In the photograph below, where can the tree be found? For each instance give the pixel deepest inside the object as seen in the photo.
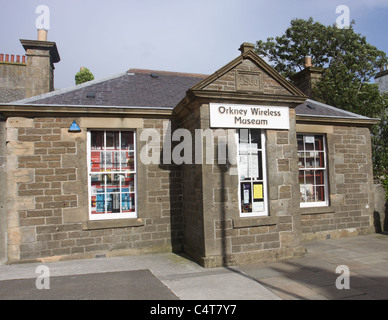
(83, 75)
(349, 63)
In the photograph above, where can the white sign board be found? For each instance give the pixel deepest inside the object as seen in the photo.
(248, 116)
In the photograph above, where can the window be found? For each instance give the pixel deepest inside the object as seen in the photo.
(252, 173)
(112, 174)
(312, 170)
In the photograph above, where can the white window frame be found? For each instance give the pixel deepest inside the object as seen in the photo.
(264, 212)
(324, 203)
(113, 215)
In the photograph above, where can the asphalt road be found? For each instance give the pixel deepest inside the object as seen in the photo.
(124, 285)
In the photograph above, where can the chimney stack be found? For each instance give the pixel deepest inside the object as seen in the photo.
(306, 79)
(41, 56)
(245, 47)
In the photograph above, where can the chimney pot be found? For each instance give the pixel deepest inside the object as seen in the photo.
(42, 35)
(7, 58)
(307, 62)
(1, 57)
(12, 58)
(23, 59)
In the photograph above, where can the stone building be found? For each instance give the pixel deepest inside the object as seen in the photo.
(31, 74)
(382, 80)
(231, 168)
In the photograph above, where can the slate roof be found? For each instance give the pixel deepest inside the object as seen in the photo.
(318, 109)
(153, 89)
(11, 94)
(136, 87)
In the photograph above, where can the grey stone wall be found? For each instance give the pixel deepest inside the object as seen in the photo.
(382, 81)
(47, 196)
(39, 72)
(351, 187)
(12, 81)
(192, 196)
(3, 188)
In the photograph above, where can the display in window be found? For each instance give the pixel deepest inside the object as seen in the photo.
(252, 199)
(312, 193)
(312, 169)
(112, 161)
(251, 171)
(112, 173)
(113, 202)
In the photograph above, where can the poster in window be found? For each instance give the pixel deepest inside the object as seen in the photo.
(95, 161)
(126, 200)
(243, 163)
(254, 166)
(257, 206)
(249, 166)
(257, 191)
(243, 146)
(246, 200)
(100, 202)
(309, 139)
(246, 196)
(258, 197)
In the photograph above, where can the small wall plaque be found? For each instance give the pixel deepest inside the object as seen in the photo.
(249, 81)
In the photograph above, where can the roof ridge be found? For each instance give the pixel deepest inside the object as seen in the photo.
(163, 72)
(69, 89)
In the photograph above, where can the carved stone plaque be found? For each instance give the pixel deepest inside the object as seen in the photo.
(249, 81)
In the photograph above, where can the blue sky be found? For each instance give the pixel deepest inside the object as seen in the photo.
(200, 36)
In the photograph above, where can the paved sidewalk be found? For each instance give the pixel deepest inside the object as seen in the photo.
(165, 276)
(314, 276)
(170, 276)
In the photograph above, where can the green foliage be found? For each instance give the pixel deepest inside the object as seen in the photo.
(384, 182)
(380, 149)
(328, 47)
(83, 75)
(350, 64)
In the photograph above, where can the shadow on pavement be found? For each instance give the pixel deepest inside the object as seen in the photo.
(314, 276)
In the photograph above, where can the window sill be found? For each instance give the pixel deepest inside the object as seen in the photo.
(316, 210)
(254, 222)
(108, 224)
